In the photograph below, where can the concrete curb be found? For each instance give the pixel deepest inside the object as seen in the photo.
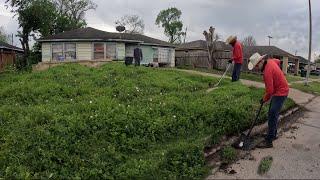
(257, 130)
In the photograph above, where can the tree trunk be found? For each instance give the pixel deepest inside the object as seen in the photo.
(24, 40)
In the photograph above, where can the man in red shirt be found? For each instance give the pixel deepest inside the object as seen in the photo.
(237, 57)
(277, 90)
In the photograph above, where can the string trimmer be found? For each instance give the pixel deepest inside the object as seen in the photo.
(223, 75)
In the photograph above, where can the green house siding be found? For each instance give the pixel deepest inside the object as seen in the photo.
(147, 53)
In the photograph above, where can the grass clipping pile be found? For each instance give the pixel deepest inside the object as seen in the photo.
(265, 165)
(115, 122)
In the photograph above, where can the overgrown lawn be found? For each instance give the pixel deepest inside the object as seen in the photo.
(115, 122)
(313, 87)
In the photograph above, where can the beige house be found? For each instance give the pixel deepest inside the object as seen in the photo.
(96, 46)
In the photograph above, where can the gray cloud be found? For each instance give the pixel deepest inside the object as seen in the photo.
(285, 20)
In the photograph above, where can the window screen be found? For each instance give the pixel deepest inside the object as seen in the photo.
(98, 51)
(70, 51)
(57, 52)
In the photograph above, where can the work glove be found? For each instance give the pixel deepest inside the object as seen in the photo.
(230, 61)
(261, 101)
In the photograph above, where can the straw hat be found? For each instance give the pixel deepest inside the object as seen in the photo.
(231, 39)
(254, 60)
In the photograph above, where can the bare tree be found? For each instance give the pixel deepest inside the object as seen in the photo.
(133, 23)
(249, 41)
(75, 9)
(211, 38)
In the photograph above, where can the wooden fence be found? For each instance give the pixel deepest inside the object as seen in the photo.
(6, 58)
(199, 59)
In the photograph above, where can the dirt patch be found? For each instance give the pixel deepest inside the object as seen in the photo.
(212, 89)
(42, 66)
(298, 146)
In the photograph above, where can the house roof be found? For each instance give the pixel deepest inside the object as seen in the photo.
(202, 45)
(271, 50)
(302, 60)
(4, 45)
(91, 34)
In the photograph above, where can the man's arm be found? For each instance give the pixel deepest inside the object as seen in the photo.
(268, 80)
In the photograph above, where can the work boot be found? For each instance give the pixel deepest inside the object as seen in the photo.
(265, 144)
(266, 135)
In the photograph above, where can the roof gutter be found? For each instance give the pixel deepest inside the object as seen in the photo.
(124, 40)
(4, 47)
(66, 40)
(86, 40)
(151, 44)
(108, 40)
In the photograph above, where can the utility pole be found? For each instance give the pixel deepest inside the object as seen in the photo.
(270, 37)
(12, 39)
(310, 45)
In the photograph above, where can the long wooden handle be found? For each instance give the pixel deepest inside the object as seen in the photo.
(256, 119)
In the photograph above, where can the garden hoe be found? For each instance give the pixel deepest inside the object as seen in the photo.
(245, 142)
(223, 75)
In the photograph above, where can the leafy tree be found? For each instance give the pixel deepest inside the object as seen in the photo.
(249, 41)
(47, 17)
(3, 35)
(169, 19)
(71, 13)
(34, 16)
(133, 23)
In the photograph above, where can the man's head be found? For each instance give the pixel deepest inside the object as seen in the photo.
(256, 61)
(231, 40)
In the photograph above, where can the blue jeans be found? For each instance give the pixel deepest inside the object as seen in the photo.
(273, 115)
(236, 72)
(137, 61)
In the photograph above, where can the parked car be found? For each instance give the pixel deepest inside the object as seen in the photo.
(315, 72)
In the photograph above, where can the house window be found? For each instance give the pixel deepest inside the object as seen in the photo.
(163, 55)
(57, 52)
(111, 50)
(98, 51)
(70, 51)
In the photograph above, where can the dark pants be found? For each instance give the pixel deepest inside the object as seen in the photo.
(236, 72)
(137, 61)
(273, 115)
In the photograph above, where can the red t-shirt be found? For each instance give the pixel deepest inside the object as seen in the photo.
(275, 81)
(237, 55)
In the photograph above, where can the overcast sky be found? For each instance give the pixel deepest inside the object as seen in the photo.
(285, 20)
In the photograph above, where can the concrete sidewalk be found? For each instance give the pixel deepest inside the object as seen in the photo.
(297, 96)
(296, 153)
